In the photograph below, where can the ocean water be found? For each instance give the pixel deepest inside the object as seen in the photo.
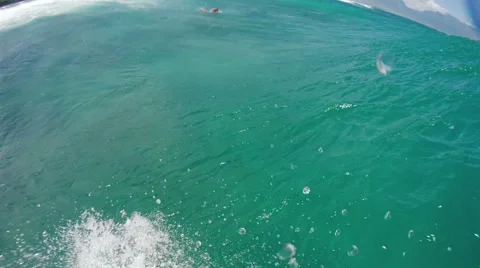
(141, 134)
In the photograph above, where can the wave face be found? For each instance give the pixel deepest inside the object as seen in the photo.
(275, 134)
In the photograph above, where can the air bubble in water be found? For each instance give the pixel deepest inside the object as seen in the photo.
(410, 234)
(388, 215)
(353, 252)
(337, 232)
(158, 201)
(306, 190)
(312, 230)
(320, 150)
(242, 231)
(344, 212)
(199, 244)
(287, 251)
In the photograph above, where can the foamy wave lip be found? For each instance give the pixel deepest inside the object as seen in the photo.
(96, 242)
(341, 106)
(28, 11)
(356, 3)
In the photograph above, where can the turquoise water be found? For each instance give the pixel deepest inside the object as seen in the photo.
(149, 134)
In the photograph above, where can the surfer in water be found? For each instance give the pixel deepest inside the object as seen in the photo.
(213, 10)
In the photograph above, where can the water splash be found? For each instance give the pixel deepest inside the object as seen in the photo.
(381, 66)
(96, 242)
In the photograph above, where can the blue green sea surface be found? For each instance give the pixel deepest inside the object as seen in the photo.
(142, 134)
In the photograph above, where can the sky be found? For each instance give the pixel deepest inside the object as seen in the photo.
(455, 7)
(429, 13)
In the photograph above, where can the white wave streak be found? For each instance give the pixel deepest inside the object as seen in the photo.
(26, 12)
(356, 3)
(340, 106)
(94, 242)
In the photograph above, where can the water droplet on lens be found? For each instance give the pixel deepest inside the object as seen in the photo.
(287, 251)
(306, 190)
(205, 256)
(410, 234)
(242, 231)
(353, 252)
(388, 215)
(292, 263)
(123, 213)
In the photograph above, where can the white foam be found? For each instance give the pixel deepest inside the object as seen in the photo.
(96, 242)
(25, 12)
(356, 3)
